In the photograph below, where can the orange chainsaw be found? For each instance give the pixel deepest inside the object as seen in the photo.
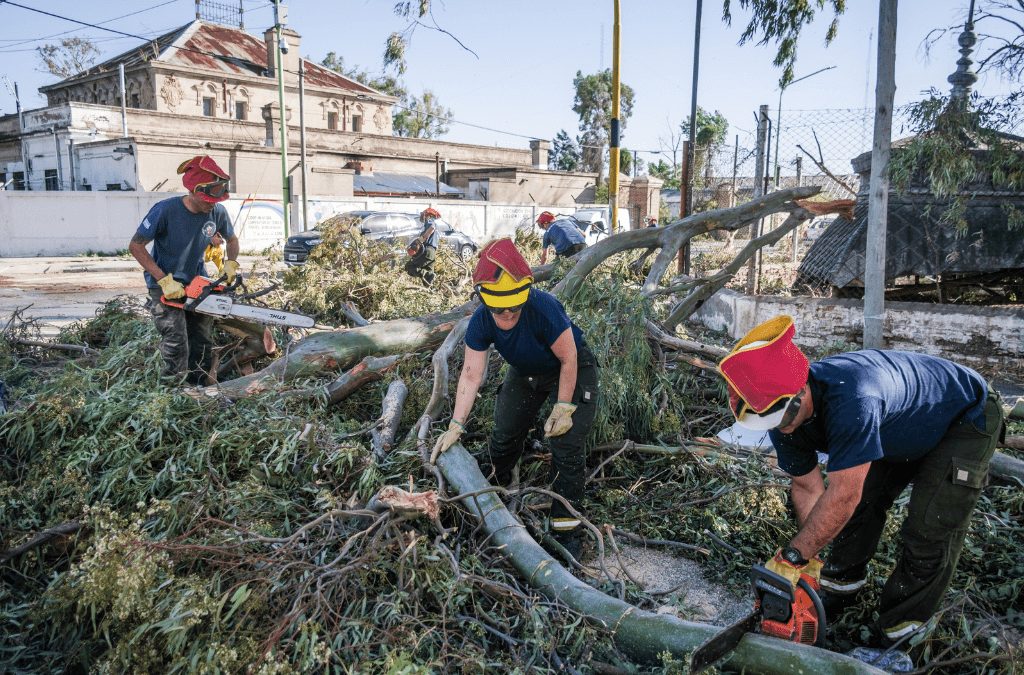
(211, 296)
(793, 614)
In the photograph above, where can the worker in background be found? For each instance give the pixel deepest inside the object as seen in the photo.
(562, 234)
(180, 229)
(651, 221)
(548, 358)
(885, 419)
(423, 249)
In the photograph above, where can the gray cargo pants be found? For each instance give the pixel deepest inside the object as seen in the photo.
(186, 341)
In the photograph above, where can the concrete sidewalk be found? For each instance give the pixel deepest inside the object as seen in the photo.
(59, 291)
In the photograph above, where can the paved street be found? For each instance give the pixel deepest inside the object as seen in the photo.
(60, 291)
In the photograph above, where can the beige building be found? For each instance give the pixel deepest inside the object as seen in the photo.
(209, 88)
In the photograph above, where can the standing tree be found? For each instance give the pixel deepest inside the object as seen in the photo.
(68, 57)
(422, 117)
(593, 104)
(665, 171)
(711, 133)
(565, 153)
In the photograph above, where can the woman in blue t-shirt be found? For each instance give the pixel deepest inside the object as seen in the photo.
(548, 358)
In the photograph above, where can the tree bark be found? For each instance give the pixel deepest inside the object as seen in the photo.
(391, 414)
(641, 634)
(370, 369)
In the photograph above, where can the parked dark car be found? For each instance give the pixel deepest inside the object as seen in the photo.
(387, 225)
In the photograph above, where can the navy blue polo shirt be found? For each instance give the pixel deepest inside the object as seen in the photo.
(527, 346)
(180, 237)
(562, 234)
(880, 404)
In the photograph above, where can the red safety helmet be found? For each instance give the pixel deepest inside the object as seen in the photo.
(205, 179)
(429, 212)
(502, 276)
(545, 218)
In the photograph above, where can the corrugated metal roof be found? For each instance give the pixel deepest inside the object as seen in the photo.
(210, 46)
(398, 184)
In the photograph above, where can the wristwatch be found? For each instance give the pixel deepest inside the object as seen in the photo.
(793, 556)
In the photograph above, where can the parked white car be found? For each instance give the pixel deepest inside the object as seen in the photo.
(596, 220)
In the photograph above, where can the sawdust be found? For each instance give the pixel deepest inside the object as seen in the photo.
(696, 598)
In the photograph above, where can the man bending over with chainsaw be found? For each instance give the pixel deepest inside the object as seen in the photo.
(181, 228)
(548, 359)
(886, 419)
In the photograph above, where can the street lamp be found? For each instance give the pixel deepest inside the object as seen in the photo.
(778, 117)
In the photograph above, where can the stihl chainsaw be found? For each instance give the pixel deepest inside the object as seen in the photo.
(780, 610)
(209, 296)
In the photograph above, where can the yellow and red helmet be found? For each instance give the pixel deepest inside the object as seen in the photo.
(545, 218)
(764, 371)
(502, 276)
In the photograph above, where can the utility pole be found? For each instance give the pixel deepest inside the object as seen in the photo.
(613, 154)
(437, 175)
(735, 170)
(759, 191)
(280, 18)
(878, 192)
(60, 169)
(302, 142)
(684, 253)
(799, 183)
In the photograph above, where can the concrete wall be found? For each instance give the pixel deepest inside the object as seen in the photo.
(981, 337)
(71, 223)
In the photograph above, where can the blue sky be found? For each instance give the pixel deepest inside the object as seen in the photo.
(528, 51)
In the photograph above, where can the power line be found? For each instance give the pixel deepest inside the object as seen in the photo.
(116, 18)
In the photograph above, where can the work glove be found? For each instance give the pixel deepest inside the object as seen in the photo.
(171, 288)
(792, 572)
(560, 419)
(215, 254)
(231, 269)
(447, 440)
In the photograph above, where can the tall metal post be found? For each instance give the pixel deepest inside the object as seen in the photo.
(799, 183)
(25, 162)
(71, 163)
(124, 105)
(692, 147)
(759, 191)
(437, 175)
(735, 170)
(302, 141)
(285, 192)
(60, 165)
(878, 191)
(613, 153)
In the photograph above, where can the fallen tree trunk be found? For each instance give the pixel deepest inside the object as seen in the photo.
(641, 634)
(370, 369)
(1005, 466)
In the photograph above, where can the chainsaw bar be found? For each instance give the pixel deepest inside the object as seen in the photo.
(222, 305)
(723, 642)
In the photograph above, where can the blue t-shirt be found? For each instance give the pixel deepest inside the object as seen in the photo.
(880, 404)
(562, 234)
(434, 238)
(180, 237)
(527, 347)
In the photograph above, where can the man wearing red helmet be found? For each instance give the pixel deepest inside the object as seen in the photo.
(561, 233)
(423, 249)
(181, 229)
(886, 419)
(548, 358)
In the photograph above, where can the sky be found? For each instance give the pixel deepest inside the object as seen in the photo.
(514, 68)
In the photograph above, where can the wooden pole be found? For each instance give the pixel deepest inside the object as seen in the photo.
(759, 191)
(878, 193)
(613, 154)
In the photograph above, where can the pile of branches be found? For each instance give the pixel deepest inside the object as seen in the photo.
(286, 520)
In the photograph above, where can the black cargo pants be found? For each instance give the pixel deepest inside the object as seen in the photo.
(515, 413)
(571, 250)
(186, 340)
(422, 265)
(946, 485)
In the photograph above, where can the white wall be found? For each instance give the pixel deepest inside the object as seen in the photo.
(70, 223)
(979, 337)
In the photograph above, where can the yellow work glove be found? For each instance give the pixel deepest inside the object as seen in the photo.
(447, 440)
(231, 269)
(215, 254)
(792, 572)
(171, 288)
(560, 419)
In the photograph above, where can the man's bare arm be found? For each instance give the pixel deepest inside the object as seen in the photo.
(832, 510)
(232, 248)
(137, 247)
(806, 490)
